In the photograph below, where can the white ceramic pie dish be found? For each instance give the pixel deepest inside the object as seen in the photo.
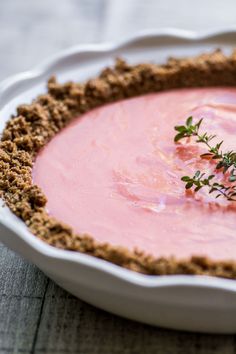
(193, 303)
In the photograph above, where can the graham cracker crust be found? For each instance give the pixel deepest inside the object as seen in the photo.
(35, 124)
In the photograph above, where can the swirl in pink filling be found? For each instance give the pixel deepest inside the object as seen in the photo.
(114, 173)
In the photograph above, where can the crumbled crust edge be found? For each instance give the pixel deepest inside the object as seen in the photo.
(35, 124)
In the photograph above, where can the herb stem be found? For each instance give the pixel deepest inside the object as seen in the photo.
(226, 161)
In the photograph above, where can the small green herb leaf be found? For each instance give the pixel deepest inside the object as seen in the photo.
(189, 121)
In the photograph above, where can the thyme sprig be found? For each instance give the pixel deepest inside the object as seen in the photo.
(200, 180)
(226, 161)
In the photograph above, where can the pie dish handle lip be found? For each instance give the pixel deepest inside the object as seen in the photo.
(147, 281)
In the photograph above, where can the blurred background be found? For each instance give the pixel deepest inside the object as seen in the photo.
(32, 30)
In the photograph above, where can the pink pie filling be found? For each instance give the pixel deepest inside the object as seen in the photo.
(115, 172)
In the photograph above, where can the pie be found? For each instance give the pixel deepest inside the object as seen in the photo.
(94, 167)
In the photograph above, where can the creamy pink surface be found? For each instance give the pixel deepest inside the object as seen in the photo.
(114, 173)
